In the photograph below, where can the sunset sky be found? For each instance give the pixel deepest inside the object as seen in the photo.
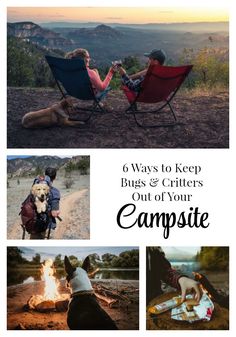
(118, 14)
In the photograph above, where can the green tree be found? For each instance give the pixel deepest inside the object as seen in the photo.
(95, 260)
(14, 257)
(211, 67)
(58, 262)
(36, 259)
(70, 166)
(26, 65)
(74, 261)
(214, 258)
(83, 165)
(19, 65)
(127, 259)
(132, 64)
(107, 259)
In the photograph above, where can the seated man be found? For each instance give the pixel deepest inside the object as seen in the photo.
(133, 82)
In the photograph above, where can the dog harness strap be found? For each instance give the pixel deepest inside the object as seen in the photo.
(83, 292)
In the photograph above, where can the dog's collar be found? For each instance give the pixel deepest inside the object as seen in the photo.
(82, 292)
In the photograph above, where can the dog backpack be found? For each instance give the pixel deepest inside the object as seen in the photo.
(32, 221)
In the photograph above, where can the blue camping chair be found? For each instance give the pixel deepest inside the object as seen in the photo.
(72, 76)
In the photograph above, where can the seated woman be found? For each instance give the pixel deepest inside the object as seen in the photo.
(100, 87)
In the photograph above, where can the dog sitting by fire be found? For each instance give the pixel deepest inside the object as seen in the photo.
(57, 114)
(40, 193)
(84, 311)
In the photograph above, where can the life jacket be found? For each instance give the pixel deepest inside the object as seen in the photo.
(32, 221)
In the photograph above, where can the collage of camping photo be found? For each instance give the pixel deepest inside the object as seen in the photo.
(117, 161)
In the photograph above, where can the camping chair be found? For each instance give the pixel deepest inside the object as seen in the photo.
(72, 76)
(160, 85)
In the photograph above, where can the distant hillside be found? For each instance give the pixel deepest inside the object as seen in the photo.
(29, 31)
(19, 167)
(184, 26)
(28, 43)
(106, 43)
(101, 32)
(176, 254)
(109, 42)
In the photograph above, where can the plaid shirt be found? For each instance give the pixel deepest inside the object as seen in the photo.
(159, 269)
(133, 85)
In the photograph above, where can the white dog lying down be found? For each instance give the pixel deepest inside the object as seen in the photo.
(40, 193)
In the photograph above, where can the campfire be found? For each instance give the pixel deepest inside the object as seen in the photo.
(51, 299)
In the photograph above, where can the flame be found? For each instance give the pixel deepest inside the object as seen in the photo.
(51, 283)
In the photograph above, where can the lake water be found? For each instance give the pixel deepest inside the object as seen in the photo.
(185, 265)
(27, 276)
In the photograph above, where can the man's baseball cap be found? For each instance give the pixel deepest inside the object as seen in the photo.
(157, 54)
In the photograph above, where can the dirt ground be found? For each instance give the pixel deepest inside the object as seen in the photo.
(74, 208)
(203, 123)
(126, 318)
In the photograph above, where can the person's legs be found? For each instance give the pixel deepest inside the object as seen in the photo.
(102, 94)
(130, 94)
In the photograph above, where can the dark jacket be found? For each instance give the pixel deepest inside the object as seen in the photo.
(158, 269)
(54, 198)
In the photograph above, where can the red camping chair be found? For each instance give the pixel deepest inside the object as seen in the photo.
(160, 85)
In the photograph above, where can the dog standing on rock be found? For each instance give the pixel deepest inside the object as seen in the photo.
(84, 311)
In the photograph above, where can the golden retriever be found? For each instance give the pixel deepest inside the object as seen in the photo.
(40, 193)
(57, 114)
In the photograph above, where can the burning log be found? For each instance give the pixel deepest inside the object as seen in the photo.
(51, 300)
(62, 305)
(38, 303)
(45, 306)
(214, 294)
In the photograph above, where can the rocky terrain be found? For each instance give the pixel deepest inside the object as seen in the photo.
(203, 122)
